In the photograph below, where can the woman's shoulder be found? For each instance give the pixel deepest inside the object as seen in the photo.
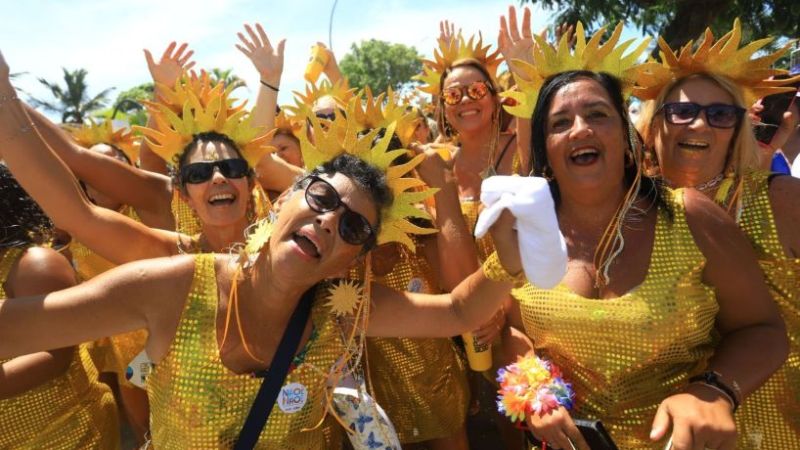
(39, 269)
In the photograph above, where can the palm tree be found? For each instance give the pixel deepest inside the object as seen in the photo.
(72, 101)
(227, 77)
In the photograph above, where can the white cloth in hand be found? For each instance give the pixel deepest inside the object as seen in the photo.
(541, 245)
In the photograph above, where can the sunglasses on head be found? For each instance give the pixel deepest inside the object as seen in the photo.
(718, 115)
(353, 227)
(476, 90)
(201, 172)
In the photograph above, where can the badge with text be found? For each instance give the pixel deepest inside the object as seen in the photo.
(292, 398)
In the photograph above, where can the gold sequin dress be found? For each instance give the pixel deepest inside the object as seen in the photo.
(625, 355)
(424, 401)
(197, 403)
(110, 354)
(71, 411)
(470, 209)
(770, 417)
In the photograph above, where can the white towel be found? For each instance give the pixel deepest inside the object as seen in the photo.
(541, 245)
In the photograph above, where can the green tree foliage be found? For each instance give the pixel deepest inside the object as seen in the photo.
(679, 21)
(227, 76)
(72, 101)
(128, 105)
(380, 65)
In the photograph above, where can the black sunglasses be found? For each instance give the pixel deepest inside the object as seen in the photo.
(200, 172)
(718, 115)
(353, 227)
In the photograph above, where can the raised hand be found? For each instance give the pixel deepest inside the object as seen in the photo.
(267, 60)
(516, 43)
(171, 65)
(447, 31)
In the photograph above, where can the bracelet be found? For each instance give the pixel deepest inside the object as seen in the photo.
(714, 380)
(494, 270)
(269, 85)
(532, 385)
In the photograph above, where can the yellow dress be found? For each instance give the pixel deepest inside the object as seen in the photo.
(424, 401)
(71, 411)
(197, 403)
(770, 417)
(110, 354)
(470, 209)
(625, 355)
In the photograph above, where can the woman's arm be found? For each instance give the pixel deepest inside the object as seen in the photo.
(38, 271)
(150, 194)
(145, 294)
(268, 62)
(753, 343)
(111, 234)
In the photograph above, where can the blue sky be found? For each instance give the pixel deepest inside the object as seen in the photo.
(106, 38)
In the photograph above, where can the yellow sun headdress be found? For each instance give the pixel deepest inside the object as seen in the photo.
(346, 134)
(608, 57)
(103, 133)
(383, 110)
(451, 51)
(289, 123)
(723, 58)
(204, 108)
(340, 91)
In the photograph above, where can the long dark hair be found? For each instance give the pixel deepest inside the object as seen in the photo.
(613, 88)
(22, 221)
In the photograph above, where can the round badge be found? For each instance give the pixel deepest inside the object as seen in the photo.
(292, 398)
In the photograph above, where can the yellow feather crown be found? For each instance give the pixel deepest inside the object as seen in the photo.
(608, 57)
(451, 51)
(103, 133)
(340, 91)
(381, 111)
(724, 58)
(204, 108)
(290, 123)
(346, 135)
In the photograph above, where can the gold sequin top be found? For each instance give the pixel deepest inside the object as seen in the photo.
(424, 401)
(110, 354)
(625, 355)
(470, 209)
(197, 403)
(770, 417)
(73, 410)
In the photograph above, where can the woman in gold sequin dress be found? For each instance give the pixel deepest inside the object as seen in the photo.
(721, 160)
(630, 326)
(48, 399)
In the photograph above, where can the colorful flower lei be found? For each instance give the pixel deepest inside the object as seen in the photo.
(532, 385)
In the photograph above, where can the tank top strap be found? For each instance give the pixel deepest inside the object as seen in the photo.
(757, 220)
(674, 243)
(197, 327)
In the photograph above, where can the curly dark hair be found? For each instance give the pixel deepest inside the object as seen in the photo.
(363, 174)
(22, 221)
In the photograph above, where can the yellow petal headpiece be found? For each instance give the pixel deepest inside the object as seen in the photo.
(103, 133)
(381, 111)
(346, 135)
(340, 91)
(723, 58)
(290, 123)
(205, 109)
(450, 52)
(608, 57)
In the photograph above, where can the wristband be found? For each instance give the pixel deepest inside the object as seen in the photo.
(532, 385)
(269, 85)
(494, 270)
(714, 380)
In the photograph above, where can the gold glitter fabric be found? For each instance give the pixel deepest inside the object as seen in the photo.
(424, 401)
(110, 354)
(625, 355)
(71, 411)
(470, 210)
(770, 417)
(197, 403)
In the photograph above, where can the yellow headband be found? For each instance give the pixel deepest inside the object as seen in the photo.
(103, 133)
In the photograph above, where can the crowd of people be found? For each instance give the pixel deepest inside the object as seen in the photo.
(318, 275)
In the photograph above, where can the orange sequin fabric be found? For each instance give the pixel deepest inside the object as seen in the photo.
(770, 417)
(197, 403)
(625, 355)
(71, 411)
(424, 401)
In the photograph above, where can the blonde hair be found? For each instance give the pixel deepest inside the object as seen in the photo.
(743, 154)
